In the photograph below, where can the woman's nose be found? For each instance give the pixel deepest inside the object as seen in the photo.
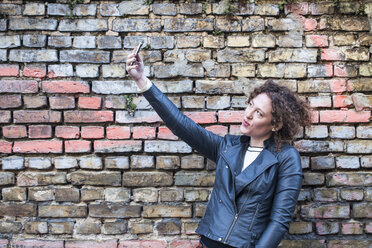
(249, 113)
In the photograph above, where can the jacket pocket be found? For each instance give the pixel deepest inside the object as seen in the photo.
(255, 215)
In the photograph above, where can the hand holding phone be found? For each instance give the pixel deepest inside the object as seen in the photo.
(137, 51)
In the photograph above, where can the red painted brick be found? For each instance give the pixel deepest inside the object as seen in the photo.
(39, 131)
(112, 145)
(38, 146)
(338, 85)
(342, 101)
(9, 70)
(65, 87)
(144, 132)
(5, 147)
(331, 116)
(202, 117)
(36, 116)
(92, 132)
(165, 133)
(235, 130)
(297, 8)
(62, 102)
(5, 116)
(37, 244)
(142, 244)
(10, 101)
(332, 54)
(230, 116)
(89, 102)
(88, 116)
(77, 146)
(308, 24)
(91, 244)
(318, 40)
(218, 129)
(314, 116)
(184, 244)
(118, 132)
(34, 71)
(67, 132)
(14, 132)
(18, 86)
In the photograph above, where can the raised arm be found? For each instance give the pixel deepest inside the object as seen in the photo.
(197, 137)
(286, 194)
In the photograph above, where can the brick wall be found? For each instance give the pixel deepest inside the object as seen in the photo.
(77, 168)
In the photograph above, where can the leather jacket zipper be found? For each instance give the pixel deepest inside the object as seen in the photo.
(254, 216)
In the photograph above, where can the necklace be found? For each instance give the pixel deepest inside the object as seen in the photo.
(255, 146)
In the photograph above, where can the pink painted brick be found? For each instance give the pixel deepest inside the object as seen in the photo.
(332, 54)
(9, 70)
(34, 71)
(297, 8)
(5, 147)
(37, 244)
(218, 129)
(338, 85)
(144, 132)
(352, 228)
(77, 146)
(39, 131)
(183, 243)
(230, 116)
(38, 146)
(92, 132)
(14, 132)
(314, 116)
(316, 40)
(65, 87)
(118, 132)
(142, 244)
(91, 244)
(66, 132)
(165, 133)
(89, 102)
(331, 116)
(342, 101)
(202, 117)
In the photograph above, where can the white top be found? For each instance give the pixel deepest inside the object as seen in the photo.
(251, 154)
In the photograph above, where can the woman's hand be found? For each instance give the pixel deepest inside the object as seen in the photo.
(136, 71)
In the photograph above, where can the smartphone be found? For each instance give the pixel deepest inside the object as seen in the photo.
(137, 50)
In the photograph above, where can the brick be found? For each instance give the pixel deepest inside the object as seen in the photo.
(168, 9)
(332, 116)
(263, 40)
(240, 56)
(82, 56)
(196, 55)
(118, 132)
(168, 227)
(266, 10)
(291, 40)
(325, 195)
(65, 87)
(193, 102)
(184, 243)
(34, 40)
(85, 10)
(18, 209)
(109, 42)
(344, 39)
(349, 23)
(109, 10)
(345, 54)
(6, 178)
(300, 227)
(92, 193)
(321, 8)
(327, 228)
(145, 195)
(114, 87)
(142, 244)
(5, 117)
(165, 133)
(40, 178)
(196, 195)
(142, 162)
(200, 210)
(218, 129)
(136, 25)
(117, 162)
(351, 194)
(228, 25)
(167, 146)
(183, 178)
(115, 227)
(299, 8)
(133, 8)
(362, 101)
(62, 102)
(113, 71)
(3, 55)
(313, 179)
(18, 86)
(365, 69)
(13, 163)
(230, 116)
(84, 42)
(189, 227)
(366, 162)
(167, 162)
(62, 211)
(61, 227)
(283, 24)
(145, 226)
(342, 101)
(10, 101)
(175, 86)
(9, 70)
(77, 146)
(316, 40)
(321, 163)
(32, 24)
(114, 210)
(171, 195)
(187, 25)
(147, 179)
(55, 9)
(243, 70)
(65, 162)
(293, 55)
(9, 227)
(38, 71)
(368, 227)
(87, 71)
(192, 162)
(64, 70)
(32, 9)
(91, 162)
(83, 25)
(362, 210)
(39, 131)
(347, 162)
(326, 211)
(94, 178)
(359, 85)
(37, 243)
(359, 146)
(38, 163)
(320, 70)
(67, 132)
(13, 194)
(253, 24)
(364, 132)
(59, 41)
(117, 195)
(88, 116)
(32, 55)
(320, 101)
(144, 132)
(41, 194)
(92, 132)
(92, 244)
(108, 146)
(238, 41)
(348, 179)
(33, 116)
(170, 211)
(37, 146)
(348, 243)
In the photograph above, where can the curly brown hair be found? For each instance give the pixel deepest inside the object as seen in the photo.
(288, 110)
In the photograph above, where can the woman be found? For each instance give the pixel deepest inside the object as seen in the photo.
(258, 174)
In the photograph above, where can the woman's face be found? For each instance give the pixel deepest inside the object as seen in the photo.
(257, 118)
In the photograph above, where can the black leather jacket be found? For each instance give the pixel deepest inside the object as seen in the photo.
(248, 209)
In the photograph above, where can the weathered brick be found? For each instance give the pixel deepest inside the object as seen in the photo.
(55, 9)
(325, 195)
(362, 210)
(291, 40)
(300, 227)
(171, 195)
(320, 101)
(41, 194)
(168, 227)
(94, 178)
(171, 211)
(192, 162)
(363, 84)
(283, 24)
(165, 133)
(326, 211)
(351, 194)
(326, 228)
(38, 71)
(183, 178)
(92, 193)
(114, 87)
(117, 162)
(167, 146)
(145, 195)
(34, 102)
(28, 55)
(92, 132)
(61, 227)
(84, 42)
(9, 227)
(167, 162)
(39, 131)
(62, 211)
(85, 10)
(144, 132)
(114, 210)
(7, 178)
(118, 132)
(349, 23)
(190, 8)
(261, 40)
(61, 102)
(228, 25)
(59, 41)
(364, 132)
(109, 42)
(88, 116)
(18, 86)
(39, 163)
(80, 56)
(136, 25)
(359, 146)
(88, 226)
(192, 195)
(87, 71)
(342, 101)
(34, 40)
(142, 161)
(10, 101)
(345, 54)
(3, 55)
(142, 243)
(347, 162)
(65, 162)
(187, 25)
(108, 146)
(168, 9)
(293, 55)
(321, 163)
(241, 55)
(115, 227)
(348, 179)
(366, 161)
(32, 9)
(67, 194)
(40, 178)
(14, 194)
(32, 24)
(37, 146)
(145, 179)
(5, 117)
(18, 209)
(10, 41)
(91, 162)
(83, 25)
(320, 70)
(253, 24)
(144, 226)
(77, 146)
(64, 70)
(30, 243)
(117, 195)
(266, 9)
(313, 178)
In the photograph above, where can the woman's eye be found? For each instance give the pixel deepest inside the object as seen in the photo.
(259, 113)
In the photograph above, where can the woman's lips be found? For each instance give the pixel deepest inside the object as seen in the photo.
(245, 123)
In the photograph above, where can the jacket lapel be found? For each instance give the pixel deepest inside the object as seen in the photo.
(264, 160)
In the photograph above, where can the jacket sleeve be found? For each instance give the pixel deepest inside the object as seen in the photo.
(197, 137)
(288, 187)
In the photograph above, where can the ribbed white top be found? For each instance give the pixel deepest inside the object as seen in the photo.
(251, 154)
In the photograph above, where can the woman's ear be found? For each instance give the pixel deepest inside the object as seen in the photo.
(278, 127)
